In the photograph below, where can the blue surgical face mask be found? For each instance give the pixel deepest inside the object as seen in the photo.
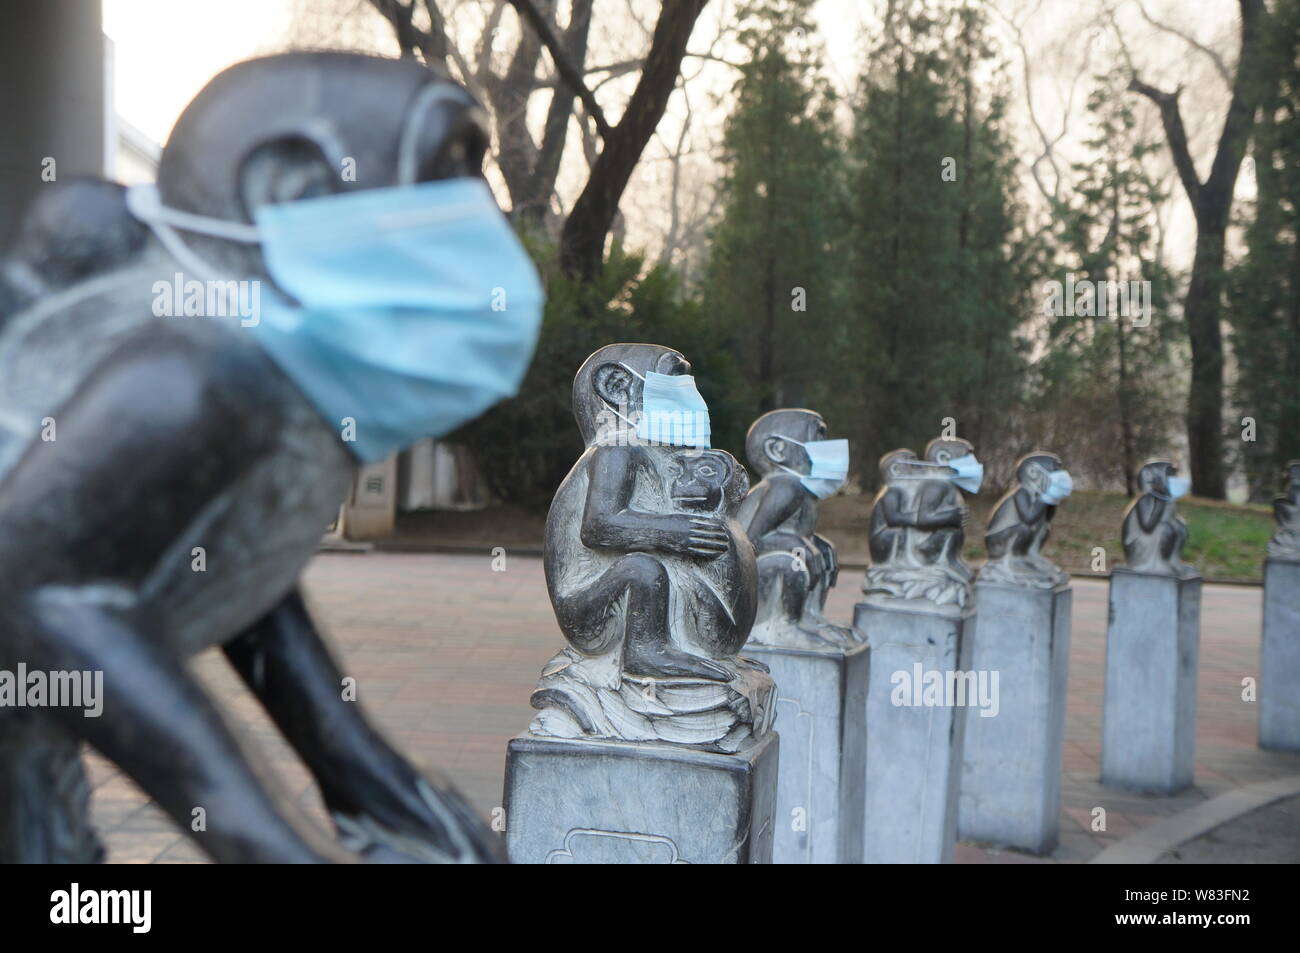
(1059, 486)
(828, 465)
(970, 473)
(417, 306)
(1178, 487)
(672, 411)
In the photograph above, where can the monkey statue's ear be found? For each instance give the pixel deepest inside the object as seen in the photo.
(286, 170)
(738, 483)
(613, 384)
(1037, 477)
(775, 449)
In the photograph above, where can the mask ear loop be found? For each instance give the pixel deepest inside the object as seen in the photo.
(414, 125)
(145, 203)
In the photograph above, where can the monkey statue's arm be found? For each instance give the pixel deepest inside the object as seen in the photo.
(1149, 511)
(930, 516)
(777, 501)
(610, 522)
(1029, 506)
(831, 558)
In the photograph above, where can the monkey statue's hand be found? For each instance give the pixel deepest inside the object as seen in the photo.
(697, 537)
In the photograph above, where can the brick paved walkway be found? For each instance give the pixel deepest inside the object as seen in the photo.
(445, 652)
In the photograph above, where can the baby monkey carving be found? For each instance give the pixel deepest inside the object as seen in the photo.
(1154, 533)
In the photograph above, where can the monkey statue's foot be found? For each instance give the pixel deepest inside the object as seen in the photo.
(582, 696)
(1027, 572)
(438, 829)
(813, 632)
(663, 661)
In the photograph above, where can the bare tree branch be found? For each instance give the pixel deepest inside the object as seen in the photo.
(1224, 73)
(529, 13)
(1172, 120)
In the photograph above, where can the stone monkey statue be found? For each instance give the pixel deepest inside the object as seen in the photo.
(1021, 523)
(177, 434)
(1153, 532)
(917, 526)
(796, 566)
(1285, 544)
(652, 579)
(893, 512)
(940, 497)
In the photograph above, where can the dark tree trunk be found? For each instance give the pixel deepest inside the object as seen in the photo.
(1211, 201)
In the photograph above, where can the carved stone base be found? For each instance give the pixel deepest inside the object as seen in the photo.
(821, 698)
(602, 802)
(914, 750)
(1011, 775)
(1279, 661)
(1152, 648)
(592, 697)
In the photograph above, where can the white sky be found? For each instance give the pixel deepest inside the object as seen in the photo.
(166, 50)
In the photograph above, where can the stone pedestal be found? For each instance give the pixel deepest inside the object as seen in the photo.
(1011, 776)
(821, 698)
(1279, 658)
(914, 749)
(1152, 645)
(576, 801)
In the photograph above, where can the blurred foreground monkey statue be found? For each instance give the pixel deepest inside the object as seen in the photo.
(1154, 533)
(652, 578)
(189, 376)
(1021, 522)
(797, 568)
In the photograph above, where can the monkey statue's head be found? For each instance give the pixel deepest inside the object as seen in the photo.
(944, 449)
(769, 445)
(605, 386)
(1034, 470)
(305, 125)
(1155, 477)
(706, 481)
(900, 465)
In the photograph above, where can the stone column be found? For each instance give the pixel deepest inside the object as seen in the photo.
(1152, 647)
(1011, 778)
(1279, 657)
(918, 617)
(1148, 723)
(580, 801)
(821, 698)
(914, 739)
